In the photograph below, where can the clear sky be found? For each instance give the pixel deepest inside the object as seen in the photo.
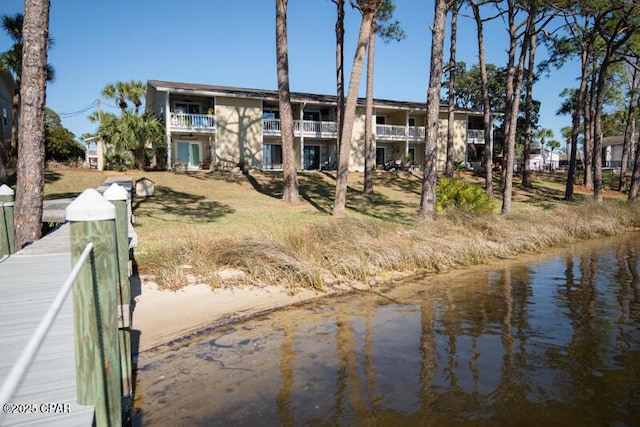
(233, 43)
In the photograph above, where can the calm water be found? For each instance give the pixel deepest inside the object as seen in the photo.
(551, 340)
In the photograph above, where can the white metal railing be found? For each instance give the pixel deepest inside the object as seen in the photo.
(475, 136)
(302, 127)
(391, 132)
(192, 121)
(19, 369)
(416, 132)
(271, 126)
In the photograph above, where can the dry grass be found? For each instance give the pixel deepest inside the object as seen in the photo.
(233, 229)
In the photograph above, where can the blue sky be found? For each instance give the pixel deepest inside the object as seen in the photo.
(233, 43)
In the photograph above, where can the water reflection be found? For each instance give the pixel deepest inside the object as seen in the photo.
(551, 340)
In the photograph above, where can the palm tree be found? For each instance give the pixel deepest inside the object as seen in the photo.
(134, 92)
(553, 144)
(30, 167)
(541, 135)
(11, 60)
(133, 133)
(291, 193)
(118, 92)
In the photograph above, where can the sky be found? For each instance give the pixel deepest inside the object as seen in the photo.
(232, 43)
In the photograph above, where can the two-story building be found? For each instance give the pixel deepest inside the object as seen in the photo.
(7, 90)
(208, 124)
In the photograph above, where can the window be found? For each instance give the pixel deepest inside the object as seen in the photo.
(412, 121)
(272, 156)
(187, 108)
(271, 114)
(311, 115)
(412, 155)
(379, 120)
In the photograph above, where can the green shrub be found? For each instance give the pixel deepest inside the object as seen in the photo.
(456, 193)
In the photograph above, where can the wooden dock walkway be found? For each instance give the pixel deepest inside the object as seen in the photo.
(30, 279)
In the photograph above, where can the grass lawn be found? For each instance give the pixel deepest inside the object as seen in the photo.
(209, 221)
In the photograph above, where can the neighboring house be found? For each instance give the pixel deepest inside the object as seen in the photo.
(94, 153)
(544, 159)
(7, 89)
(612, 151)
(241, 127)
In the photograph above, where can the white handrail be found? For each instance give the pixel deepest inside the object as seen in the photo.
(28, 353)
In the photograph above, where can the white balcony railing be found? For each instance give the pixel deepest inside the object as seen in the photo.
(302, 127)
(383, 132)
(475, 136)
(193, 121)
(416, 133)
(393, 132)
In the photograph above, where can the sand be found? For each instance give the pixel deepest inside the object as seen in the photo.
(162, 316)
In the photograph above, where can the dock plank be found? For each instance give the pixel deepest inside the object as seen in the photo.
(29, 281)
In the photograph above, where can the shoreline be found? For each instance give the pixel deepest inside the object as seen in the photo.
(164, 317)
(167, 317)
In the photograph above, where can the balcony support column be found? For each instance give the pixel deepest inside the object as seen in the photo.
(167, 123)
(406, 136)
(304, 104)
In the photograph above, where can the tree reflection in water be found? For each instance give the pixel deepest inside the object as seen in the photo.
(553, 339)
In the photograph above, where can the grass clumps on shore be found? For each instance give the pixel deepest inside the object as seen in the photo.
(343, 251)
(226, 229)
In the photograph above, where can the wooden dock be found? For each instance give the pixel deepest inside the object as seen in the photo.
(30, 279)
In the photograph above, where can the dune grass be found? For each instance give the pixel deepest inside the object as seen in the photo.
(225, 229)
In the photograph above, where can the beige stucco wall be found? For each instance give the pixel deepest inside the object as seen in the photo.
(356, 160)
(239, 130)
(459, 138)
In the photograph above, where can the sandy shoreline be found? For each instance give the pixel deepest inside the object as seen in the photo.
(162, 316)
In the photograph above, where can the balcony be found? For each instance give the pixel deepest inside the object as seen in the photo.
(475, 136)
(306, 128)
(399, 133)
(192, 122)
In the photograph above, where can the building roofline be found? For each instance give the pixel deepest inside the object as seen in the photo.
(272, 95)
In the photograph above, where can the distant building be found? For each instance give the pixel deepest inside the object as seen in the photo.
(7, 90)
(612, 151)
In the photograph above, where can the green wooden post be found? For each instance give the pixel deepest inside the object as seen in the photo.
(117, 195)
(7, 239)
(92, 219)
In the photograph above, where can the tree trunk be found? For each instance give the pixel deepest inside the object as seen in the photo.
(511, 114)
(290, 194)
(369, 148)
(526, 153)
(339, 69)
(588, 129)
(575, 120)
(427, 209)
(30, 168)
(449, 167)
(350, 113)
(486, 116)
(635, 178)
(630, 128)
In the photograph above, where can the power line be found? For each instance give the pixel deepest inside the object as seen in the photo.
(76, 113)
